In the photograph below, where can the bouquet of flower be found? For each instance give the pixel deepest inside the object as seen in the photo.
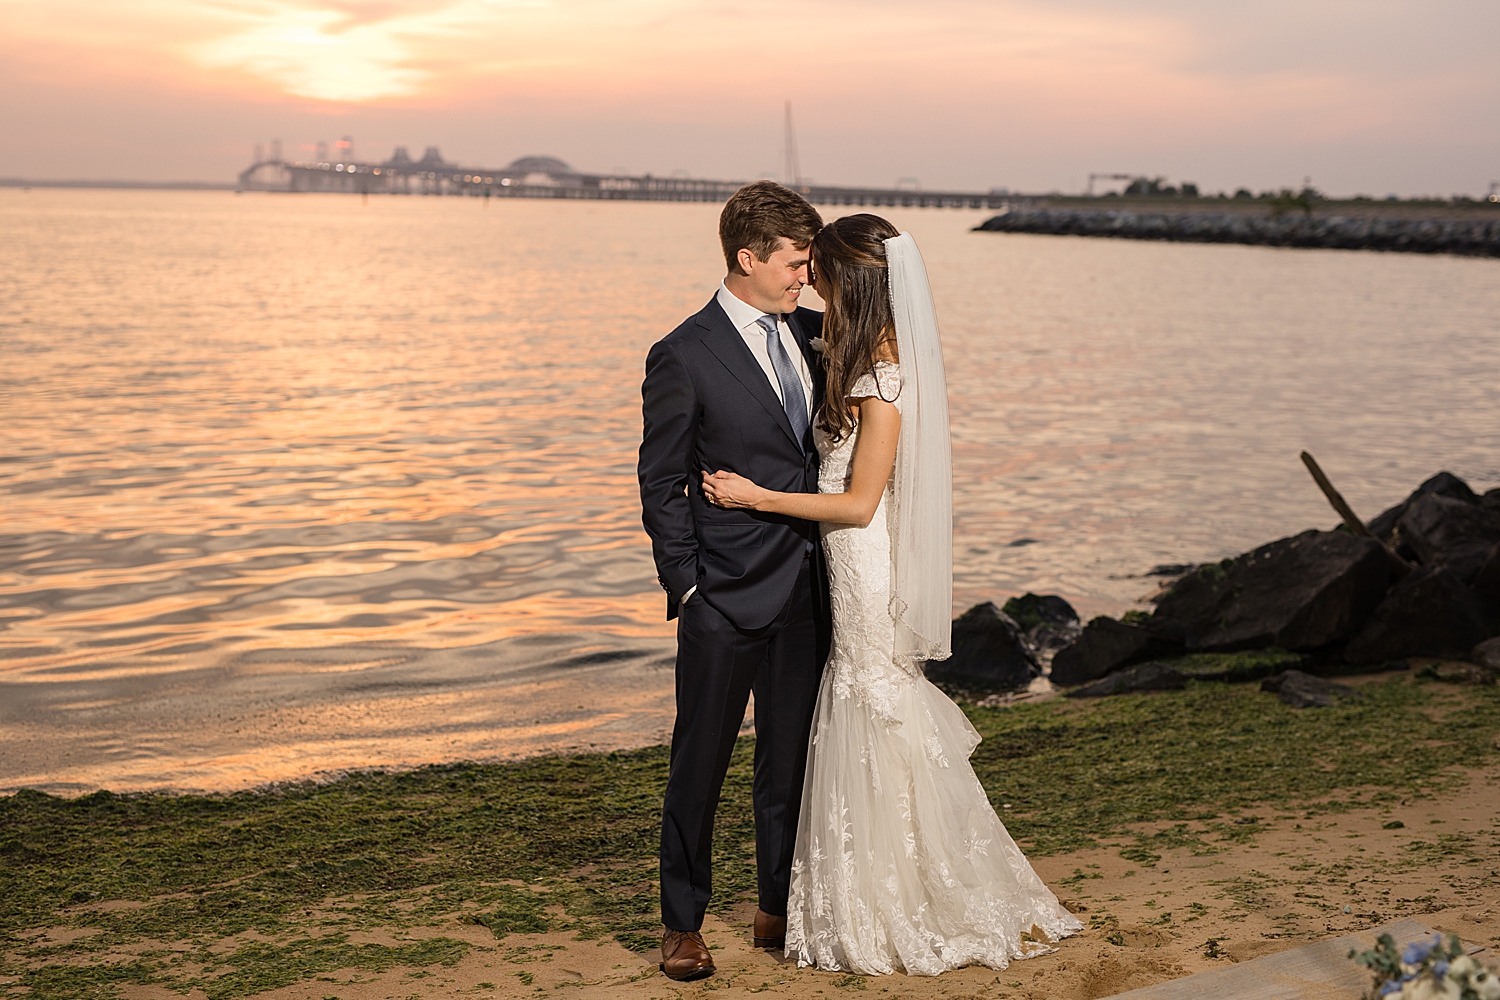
(1427, 970)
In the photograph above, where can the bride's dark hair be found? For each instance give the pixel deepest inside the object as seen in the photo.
(848, 257)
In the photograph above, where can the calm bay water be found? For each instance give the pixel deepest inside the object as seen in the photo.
(357, 479)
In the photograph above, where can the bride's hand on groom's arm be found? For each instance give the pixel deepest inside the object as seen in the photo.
(733, 491)
(870, 470)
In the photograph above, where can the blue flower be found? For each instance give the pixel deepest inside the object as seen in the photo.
(1416, 953)
(1440, 968)
(1391, 986)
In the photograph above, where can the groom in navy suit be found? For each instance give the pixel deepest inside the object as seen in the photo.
(736, 387)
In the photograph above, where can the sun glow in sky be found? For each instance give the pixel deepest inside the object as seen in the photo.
(1370, 96)
(318, 54)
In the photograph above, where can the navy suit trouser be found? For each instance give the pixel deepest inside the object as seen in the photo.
(718, 665)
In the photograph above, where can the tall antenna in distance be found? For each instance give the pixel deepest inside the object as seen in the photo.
(792, 174)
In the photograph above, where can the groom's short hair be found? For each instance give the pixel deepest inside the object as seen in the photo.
(759, 215)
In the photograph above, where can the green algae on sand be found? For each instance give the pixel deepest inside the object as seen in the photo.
(237, 894)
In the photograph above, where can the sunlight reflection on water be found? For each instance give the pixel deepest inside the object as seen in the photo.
(240, 430)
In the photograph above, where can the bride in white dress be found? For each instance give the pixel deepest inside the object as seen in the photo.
(900, 862)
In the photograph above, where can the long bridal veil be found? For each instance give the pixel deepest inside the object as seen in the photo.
(922, 519)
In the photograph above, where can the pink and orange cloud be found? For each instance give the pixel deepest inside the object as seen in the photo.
(963, 93)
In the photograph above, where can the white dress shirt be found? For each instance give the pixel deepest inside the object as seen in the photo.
(745, 318)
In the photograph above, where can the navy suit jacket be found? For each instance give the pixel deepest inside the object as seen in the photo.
(707, 405)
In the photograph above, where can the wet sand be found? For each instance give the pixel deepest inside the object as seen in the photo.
(278, 715)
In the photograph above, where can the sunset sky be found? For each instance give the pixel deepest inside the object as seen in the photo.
(1363, 96)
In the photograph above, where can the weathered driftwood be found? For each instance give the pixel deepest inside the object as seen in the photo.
(1351, 520)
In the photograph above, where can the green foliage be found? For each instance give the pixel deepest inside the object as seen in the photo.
(257, 966)
(238, 894)
(487, 844)
(1073, 773)
(1287, 201)
(1140, 855)
(1214, 573)
(514, 912)
(1384, 959)
(1437, 968)
(1238, 668)
(1026, 610)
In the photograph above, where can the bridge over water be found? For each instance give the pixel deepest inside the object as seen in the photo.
(546, 177)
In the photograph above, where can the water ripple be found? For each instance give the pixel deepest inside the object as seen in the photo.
(332, 461)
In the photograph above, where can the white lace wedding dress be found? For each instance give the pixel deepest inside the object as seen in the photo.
(901, 861)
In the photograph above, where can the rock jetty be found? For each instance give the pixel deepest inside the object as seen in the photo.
(1468, 237)
(1423, 582)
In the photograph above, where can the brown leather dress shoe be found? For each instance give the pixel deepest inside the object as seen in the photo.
(770, 932)
(684, 956)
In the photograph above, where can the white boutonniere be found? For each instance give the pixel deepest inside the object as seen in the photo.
(816, 344)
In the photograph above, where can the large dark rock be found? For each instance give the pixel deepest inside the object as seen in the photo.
(1030, 610)
(989, 653)
(1428, 613)
(1301, 593)
(1050, 623)
(1444, 484)
(1146, 677)
(1487, 654)
(1486, 587)
(1104, 647)
(1444, 531)
(1452, 672)
(1491, 499)
(1303, 690)
(1171, 570)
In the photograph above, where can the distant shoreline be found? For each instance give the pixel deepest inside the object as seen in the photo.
(1175, 207)
(1471, 231)
(19, 182)
(1355, 208)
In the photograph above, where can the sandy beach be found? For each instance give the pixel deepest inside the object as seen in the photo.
(1292, 880)
(1187, 829)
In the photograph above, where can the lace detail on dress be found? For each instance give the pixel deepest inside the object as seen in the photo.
(901, 861)
(863, 632)
(884, 381)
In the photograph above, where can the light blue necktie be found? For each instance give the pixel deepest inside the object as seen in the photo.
(793, 398)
